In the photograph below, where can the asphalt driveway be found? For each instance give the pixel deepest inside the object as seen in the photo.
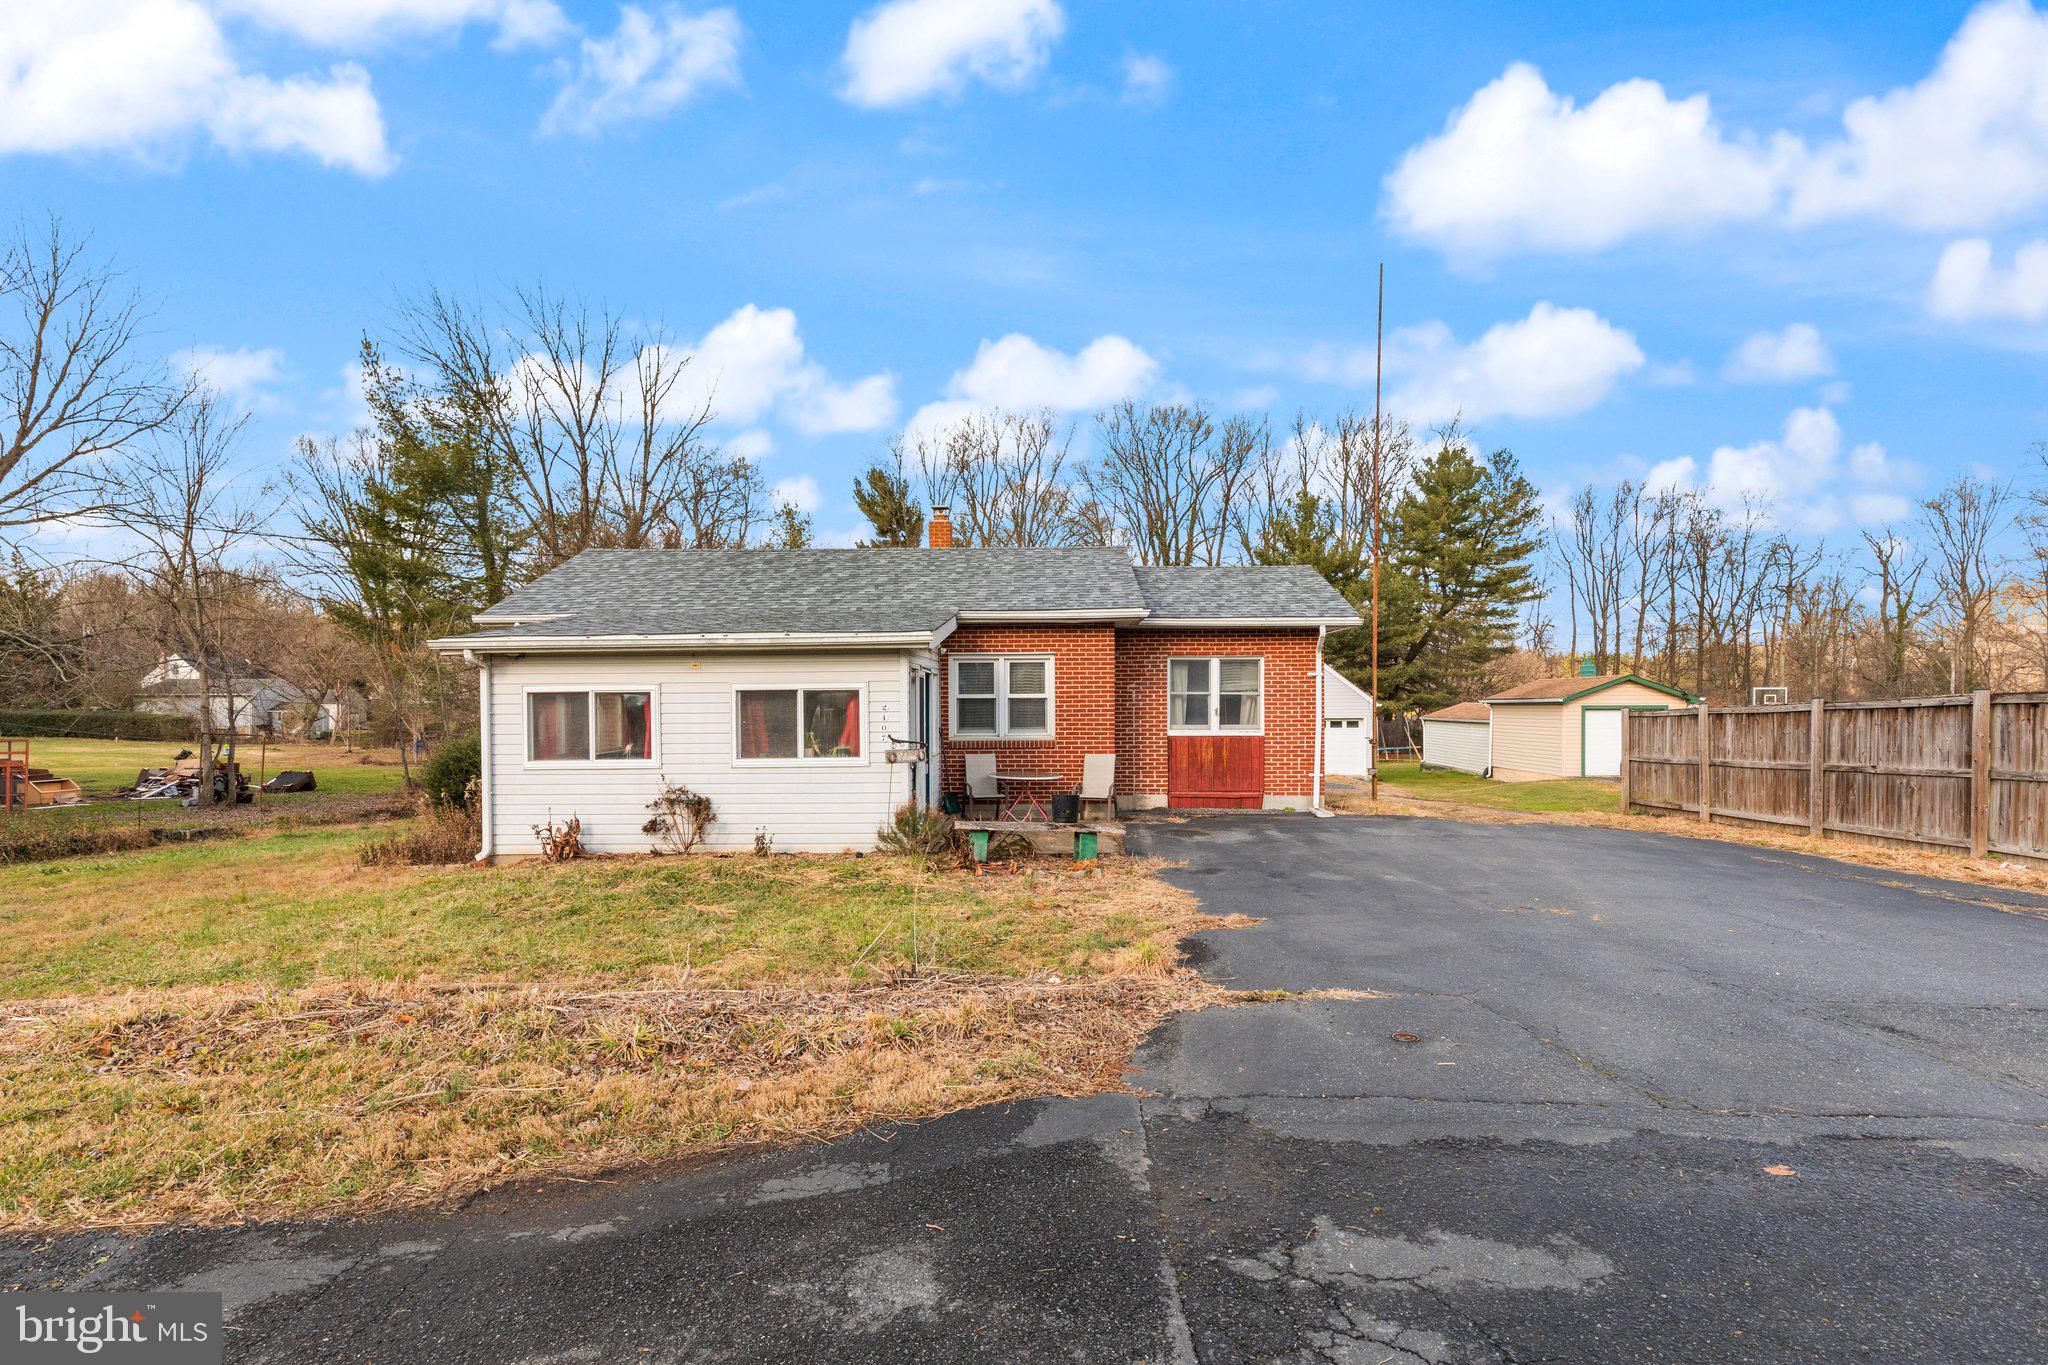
(1666, 1099)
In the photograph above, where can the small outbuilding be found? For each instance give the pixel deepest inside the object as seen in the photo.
(1457, 737)
(1347, 726)
(1569, 727)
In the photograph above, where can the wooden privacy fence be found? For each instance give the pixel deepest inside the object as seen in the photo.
(1965, 774)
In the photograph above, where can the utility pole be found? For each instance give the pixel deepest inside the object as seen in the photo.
(1378, 343)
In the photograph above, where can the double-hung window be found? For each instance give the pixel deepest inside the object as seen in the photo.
(793, 724)
(1007, 696)
(577, 726)
(1220, 695)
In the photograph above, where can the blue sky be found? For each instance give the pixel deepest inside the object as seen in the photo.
(1714, 279)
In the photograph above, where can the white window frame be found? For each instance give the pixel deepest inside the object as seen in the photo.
(861, 760)
(590, 691)
(1215, 725)
(1002, 663)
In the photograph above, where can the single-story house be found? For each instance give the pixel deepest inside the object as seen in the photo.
(810, 692)
(1458, 737)
(1569, 727)
(243, 697)
(1347, 726)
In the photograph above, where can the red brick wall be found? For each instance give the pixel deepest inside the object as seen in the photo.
(1109, 696)
(1083, 699)
(1290, 703)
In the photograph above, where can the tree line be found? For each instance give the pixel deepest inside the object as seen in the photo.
(507, 433)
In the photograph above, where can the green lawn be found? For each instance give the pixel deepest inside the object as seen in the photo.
(101, 766)
(265, 1027)
(294, 907)
(1563, 796)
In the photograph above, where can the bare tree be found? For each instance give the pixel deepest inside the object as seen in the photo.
(606, 444)
(1005, 476)
(74, 390)
(1171, 480)
(178, 504)
(1962, 524)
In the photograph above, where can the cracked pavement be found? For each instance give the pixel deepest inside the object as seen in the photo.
(1619, 1034)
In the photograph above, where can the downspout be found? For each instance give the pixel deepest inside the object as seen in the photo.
(484, 745)
(1322, 684)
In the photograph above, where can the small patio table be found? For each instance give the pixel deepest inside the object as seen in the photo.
(1021, 795)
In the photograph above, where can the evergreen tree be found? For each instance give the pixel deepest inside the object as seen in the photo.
(1306, 531)
(792, 528)
(883, 497)
(1459, 565)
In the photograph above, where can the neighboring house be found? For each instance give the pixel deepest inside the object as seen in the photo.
(1568, 727)
(245, 698)
(809, 693)
(1347, 726)
(1457, 737)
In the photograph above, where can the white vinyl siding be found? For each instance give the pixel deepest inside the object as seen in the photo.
(805, 805)
(1457, 744)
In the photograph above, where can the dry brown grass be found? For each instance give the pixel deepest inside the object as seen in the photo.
(222, 1105)
(275, 1051)
(1918, 862)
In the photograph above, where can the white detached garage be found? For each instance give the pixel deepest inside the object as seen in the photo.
(1347, 726)
(1456, 737)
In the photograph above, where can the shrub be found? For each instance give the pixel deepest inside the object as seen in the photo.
(919, 832)
(30, 838)
(445, 832)
(681, 819)
(450, 769)
(95, 724)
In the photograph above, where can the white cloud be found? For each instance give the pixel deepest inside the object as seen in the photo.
(1784, 357)
(800, 492)
(145, 77)
(1969, 286)
(1523, 167)
(1016, 372)
(362, 23)
(1797, 478)
(1148, 80)
(1554, 363)
(754, 444)
(754, 361)
(242, 373)
(650, 65)
(864, 405)
(907, 50)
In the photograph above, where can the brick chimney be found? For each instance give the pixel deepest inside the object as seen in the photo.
(942, 527)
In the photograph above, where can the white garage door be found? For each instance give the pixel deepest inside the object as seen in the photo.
(1344, 747)
(1603, 743)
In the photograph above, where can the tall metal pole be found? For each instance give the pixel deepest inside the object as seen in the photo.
(1378, 335)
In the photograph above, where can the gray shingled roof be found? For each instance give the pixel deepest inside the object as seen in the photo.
(1241, 591)
(744, 592)
(718, 592)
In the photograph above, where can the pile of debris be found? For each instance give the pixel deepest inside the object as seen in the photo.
(180, 782)
(41, 787)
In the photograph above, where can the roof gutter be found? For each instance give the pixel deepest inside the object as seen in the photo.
(1316, 623)
(617, 644)
(1120, 615)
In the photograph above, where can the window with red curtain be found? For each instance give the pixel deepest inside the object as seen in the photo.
(578, 727)
(798, 723)
(558, 726)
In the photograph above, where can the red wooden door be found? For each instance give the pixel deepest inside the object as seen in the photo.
(1216, 771)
